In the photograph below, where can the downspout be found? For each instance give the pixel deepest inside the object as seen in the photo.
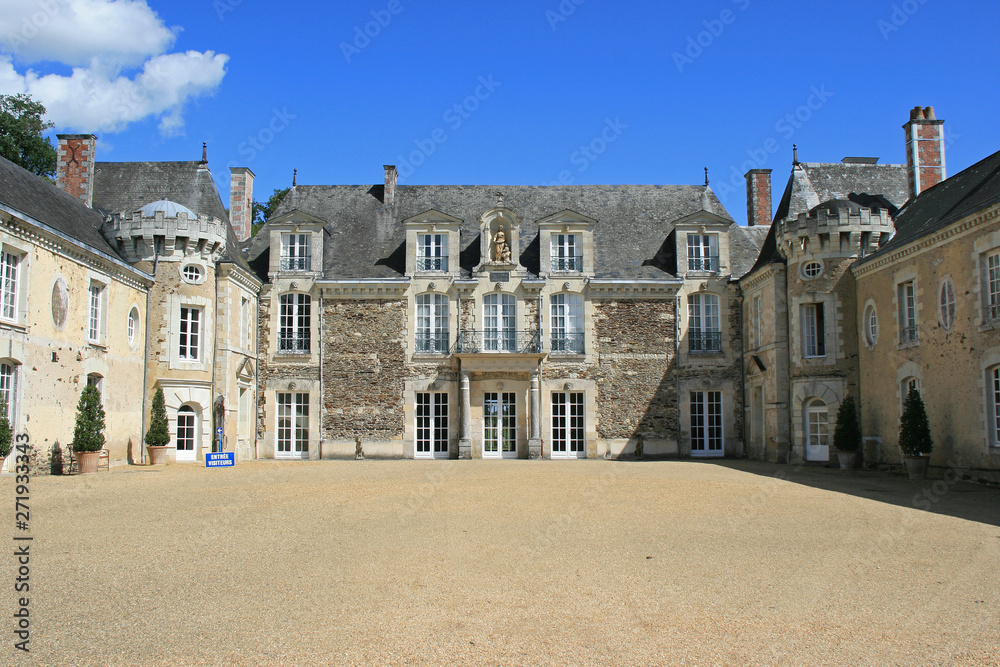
(677, 365)
(322, 400)
(787, 349)
(215, 359)
(743, 385)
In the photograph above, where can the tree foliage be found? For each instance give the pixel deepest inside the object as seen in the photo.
(914, 429)
(6, 433)
(88, 436)
(847, 434)
(263, 211)
(21, 135)
(158, 434)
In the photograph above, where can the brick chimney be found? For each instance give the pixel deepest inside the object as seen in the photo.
(241, 201)
(758, 197)
(75, 165)
(391, 176)
(924, 150)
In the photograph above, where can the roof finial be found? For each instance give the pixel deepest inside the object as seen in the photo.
(204, 152)
(499, 195)
(706, 177)
(795, 153)
(295, 176)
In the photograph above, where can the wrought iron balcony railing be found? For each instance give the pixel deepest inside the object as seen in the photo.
(909, 334)
(295, 263)
(705, 341)
(432, 343)
(567, 343)
(991, 313)
(293, 344)
(498, 340)
(574, 263)
(703, 263)
(432, 263)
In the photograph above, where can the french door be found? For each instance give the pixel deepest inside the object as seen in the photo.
(499, 323)
(567, 425)
(499, 425)
(432, 425)
(293, 425)
(187, 434)
(706, 423)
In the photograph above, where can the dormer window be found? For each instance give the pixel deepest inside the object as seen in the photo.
(567, 253)
(703, 252)
(432, 252)
(295, 255)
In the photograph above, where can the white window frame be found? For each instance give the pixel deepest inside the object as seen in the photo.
(296, 254)
(292, 425)
(189, 333)
(192, 273)
(10, 285)
(706, 423)
(906, 294)
(817, 429)
(993, 399)
(991, 293)
(813, 330)
(96, 307)
(186, 433)
(870, 325)
(568, 433)
(499, 425)
(431, 425)
(566, 252)
(432, 252)
(9, 376)
(132, 325)
(703, 252)
(946, 304)
(294, 323)
(704, 323)
(432, 334)
(567, 330)
(500, 322)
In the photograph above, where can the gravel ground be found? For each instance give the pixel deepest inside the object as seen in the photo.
(506, 563)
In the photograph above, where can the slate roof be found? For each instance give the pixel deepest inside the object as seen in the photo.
(812, 183)
(43, 201)
(365, 239)
(965, 193)
(125, 187)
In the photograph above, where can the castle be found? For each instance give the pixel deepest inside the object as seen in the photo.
(506, 321)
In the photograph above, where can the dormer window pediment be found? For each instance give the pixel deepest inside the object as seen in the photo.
(430, 239)
(298, 238)
(569, 238)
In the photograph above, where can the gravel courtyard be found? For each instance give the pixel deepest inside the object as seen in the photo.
(506, 563)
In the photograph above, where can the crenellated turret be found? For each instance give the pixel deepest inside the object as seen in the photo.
(167, 230)
(834, 228)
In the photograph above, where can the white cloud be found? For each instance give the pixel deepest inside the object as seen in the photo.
(100, 39)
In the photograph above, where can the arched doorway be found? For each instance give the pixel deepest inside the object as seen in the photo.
(187, 434)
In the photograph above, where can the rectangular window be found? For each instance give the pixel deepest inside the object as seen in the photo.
(994, 386)
(295, 254)
(10, 266)
(703, 252)
(567, 323)
(813, 330)
(704, 332)
(567, 424)
(907, 298)
(706, 423)
(294, 323)
(432, 425)
(432, 324)
(993, 288)
(432, 252)
(94, 318)
(245, 323)
(293, 425)
(756, 321)
(8, 391)
(189, 335)
(500, 424)
(566, 253)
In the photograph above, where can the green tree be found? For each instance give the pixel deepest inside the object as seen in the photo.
(847, 434)
(914, 429)
(158, 434)
(21, 130)
(88, 436)
(263, 212)
(6, 433)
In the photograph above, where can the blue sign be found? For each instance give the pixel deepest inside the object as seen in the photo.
(218, 431)
(220, 459)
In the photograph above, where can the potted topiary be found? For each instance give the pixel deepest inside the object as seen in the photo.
(6, 433)
(158, 435)
(915, 436)
(847, 434)
(88, 436)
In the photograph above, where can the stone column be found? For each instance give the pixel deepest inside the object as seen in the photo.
(465, 432)
(534, 419)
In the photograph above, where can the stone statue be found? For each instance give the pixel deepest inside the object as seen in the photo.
(501, 250)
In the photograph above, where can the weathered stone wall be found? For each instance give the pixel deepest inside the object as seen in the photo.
(364, 368)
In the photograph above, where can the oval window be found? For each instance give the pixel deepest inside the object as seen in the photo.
(871, 326)
(133, 325)
(947, 304)
(812, 269)
(191, 273)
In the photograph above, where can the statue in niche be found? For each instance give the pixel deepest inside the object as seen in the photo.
(501, 249)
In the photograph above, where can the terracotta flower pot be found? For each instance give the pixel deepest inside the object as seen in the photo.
(848, 460)
(87, 461)
(157, 455)
(916, 466)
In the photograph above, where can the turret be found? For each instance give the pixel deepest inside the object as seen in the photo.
(836, 228)
(165, 230)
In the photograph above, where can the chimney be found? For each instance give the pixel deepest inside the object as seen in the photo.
(241, 201)
(75, 165)
(758, 197)
(924, 150)
(391, 175)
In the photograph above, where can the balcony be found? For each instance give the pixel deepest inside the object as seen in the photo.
(432, 263)
(709, 264)
(293, 344)
(295, 263)
(909, 335)
(504, 341)
(431, 343)
(567, 343)
(574, 263)
(700, 342)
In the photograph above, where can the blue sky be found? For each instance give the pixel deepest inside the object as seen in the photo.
(515, 92)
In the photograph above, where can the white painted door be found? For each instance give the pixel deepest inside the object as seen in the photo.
(499, 425)
(187, 434)
(432, 425)
(817, 431)
(706, 423)
(567, 425)
(293, 426)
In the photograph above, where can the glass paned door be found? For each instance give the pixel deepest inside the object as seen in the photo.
(499, 425)
(432, 425)
(706, 423)
(567, 425)
(499, 323)
(186, 434)
(293, 425)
